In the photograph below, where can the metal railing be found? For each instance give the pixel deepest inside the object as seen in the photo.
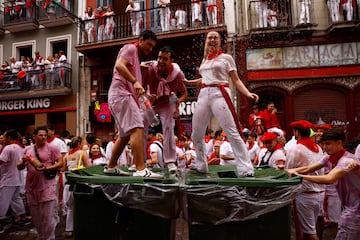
(22, 12)
(47, 77)
(176, 17)
(14, 14)
(268, 14)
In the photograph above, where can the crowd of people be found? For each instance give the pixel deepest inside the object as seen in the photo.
(36, 72)
(100, 24)
(320, 158)
(271, 13)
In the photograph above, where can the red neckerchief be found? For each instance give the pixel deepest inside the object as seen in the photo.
(18, 143)
(136, 44)
(49, 140)
(277, 146)
(309, 144)
(96, 157)
(114, 140)
(335, 157)
(73, 150)
(214, 55)
(251, 145)
(207, 139)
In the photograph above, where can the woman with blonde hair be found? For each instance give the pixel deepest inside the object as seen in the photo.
(217, 70)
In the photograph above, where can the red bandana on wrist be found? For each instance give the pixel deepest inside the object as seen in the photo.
(309, 143)
(335, 157)
(213, 55)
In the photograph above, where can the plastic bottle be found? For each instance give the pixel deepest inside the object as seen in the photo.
(149, 114)
(172, 100)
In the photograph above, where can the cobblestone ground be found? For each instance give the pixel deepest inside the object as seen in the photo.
(14, 232)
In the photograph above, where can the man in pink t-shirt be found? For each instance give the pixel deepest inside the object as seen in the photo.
(345, 173)
(40, 190)
(164, 80)
(126, 87)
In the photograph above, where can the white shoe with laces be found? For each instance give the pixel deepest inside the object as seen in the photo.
(146, 173)
(115, 171)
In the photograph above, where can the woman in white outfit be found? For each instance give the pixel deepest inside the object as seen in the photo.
(217, 70)
(72, 159)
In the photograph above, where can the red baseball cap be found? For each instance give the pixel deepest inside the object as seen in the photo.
(301, 124)
(323, 126)
(268, 136)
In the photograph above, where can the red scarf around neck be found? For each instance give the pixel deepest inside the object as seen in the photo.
(18, 143)
(214, 55)
(335, 157)
(251, 145)
(309, 144)
(74, 150)
(49, 140)
(277, 146)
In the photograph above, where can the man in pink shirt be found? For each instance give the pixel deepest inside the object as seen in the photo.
(10, 179)
(126, 87)
(345, 173)
(164, 78)
(40, 190)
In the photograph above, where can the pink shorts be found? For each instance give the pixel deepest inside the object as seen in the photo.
(126, 113)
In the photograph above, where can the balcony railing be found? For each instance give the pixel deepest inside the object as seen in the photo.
(96, 30)
(267, 14)
(48, 77)
(27, 15)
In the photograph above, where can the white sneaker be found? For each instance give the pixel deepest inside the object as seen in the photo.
(132, 168)
(146, 173)
(172, 169)
(115, 171)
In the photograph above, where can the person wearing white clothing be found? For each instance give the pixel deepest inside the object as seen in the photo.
(218, 69)
(135, 17)
(226, 154)
(196, 13)
(180, 16)
(304, 16)
(90, 33)
(261, 9)
(156, 153)
(272, 155)
(211, 11)
(164, 14)
(333, 6)
(347, 5)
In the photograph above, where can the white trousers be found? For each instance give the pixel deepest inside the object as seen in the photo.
(212, 103)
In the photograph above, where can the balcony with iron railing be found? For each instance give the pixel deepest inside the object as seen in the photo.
(178, 22)
(28, 15)
(266, 16)
(47, 76)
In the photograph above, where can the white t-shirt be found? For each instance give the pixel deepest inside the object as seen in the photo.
(270, 158)
(216, 71)
(122, 159)
(155, 148)
(226, 149)
(60, 144)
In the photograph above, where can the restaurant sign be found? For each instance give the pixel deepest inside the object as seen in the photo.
(25, 104)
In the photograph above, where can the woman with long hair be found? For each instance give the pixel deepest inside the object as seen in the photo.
(217, 70)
